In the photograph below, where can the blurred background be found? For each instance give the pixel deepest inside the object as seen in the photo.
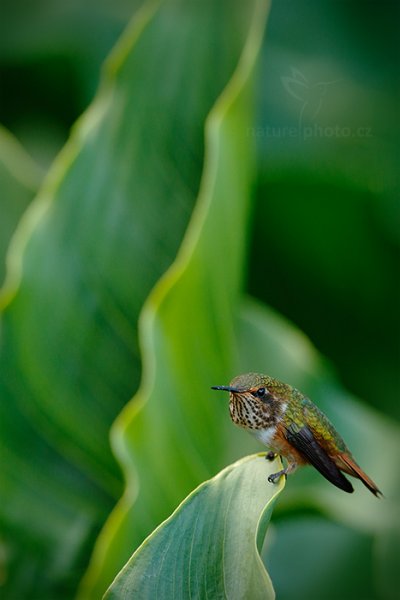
(325, 246)
(324, 232)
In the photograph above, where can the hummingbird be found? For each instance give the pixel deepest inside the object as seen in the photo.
(289, 424)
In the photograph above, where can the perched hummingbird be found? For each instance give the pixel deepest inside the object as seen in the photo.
(288, 423)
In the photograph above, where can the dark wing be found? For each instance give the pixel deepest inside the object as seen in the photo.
(304, 441)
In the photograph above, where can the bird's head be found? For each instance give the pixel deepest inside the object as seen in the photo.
(253, 398)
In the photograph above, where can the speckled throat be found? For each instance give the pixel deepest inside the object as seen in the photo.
(250, 413)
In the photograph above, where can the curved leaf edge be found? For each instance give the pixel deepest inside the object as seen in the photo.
(193, 233)
(165, 284)
(80, 131)
(18, 161)
(261, 527)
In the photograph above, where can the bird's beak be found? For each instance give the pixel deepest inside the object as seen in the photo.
(225, 388)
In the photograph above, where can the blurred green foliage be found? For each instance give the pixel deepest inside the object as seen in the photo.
(19, 181)
(344, 570)
(328, 185)
(110, 220)
(344, 159)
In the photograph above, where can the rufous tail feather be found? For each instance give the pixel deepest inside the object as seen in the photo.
(353, 469)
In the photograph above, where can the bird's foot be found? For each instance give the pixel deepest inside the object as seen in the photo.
(289, 469)
(275, 476)
(270, 455)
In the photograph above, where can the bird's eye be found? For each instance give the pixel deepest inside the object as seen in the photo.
(262, 393)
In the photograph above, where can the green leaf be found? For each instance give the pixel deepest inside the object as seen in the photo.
(174, 434)
(106, 225)
(19, 181)
(209, 547)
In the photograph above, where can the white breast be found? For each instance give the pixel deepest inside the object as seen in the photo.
(265, 435)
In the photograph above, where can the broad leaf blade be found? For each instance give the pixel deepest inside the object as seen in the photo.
(173, 435)
(209, 547)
